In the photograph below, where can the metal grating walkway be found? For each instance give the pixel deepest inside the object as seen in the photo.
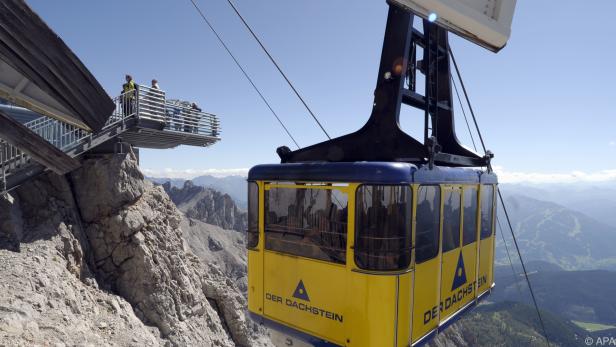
(143, 119)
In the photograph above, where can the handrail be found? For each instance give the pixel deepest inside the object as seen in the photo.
(144, 103)
(62, 135)
(175, 115)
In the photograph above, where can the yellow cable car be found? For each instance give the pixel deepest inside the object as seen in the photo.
(367, 254)
(375, 238)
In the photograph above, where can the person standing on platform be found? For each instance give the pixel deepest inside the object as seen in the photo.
(127, 100)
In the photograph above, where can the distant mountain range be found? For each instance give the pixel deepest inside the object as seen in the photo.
(207, 205)
(597, 200)
(235, 186)
(549, 232)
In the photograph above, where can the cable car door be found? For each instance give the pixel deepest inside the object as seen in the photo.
(305, 256)
(486, 239)
(427, 227)
(453, 275)
(467, 290)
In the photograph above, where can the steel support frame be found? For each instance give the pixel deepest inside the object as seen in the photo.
(381, 138)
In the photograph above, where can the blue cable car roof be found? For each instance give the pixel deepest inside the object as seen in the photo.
(367, 172)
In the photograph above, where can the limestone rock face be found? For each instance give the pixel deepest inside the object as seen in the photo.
(99, 258)
(50, 296)
(207, 205)
(223, 249)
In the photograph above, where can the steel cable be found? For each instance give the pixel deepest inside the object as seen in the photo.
(243, 71)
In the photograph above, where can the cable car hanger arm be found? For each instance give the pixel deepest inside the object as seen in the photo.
(381, 138)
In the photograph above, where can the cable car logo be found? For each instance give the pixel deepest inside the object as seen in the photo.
(459, 278)
(303, 305)
(300, 292)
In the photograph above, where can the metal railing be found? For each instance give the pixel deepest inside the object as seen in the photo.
(62, 135)
(175, 114)
(144, 103)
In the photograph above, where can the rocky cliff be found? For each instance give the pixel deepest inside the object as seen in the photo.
(99, 257)
(207, 205)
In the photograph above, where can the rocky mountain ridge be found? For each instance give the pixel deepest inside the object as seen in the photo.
(207, 205)
(233, 185)
(99, 258)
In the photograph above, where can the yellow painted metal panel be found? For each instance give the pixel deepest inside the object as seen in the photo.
(467, 291)
(255, 281)
(405, 313)
(306, 294)
(371, 310)
(486, 261)
(426, 297)
(449, 270)
(255, 264)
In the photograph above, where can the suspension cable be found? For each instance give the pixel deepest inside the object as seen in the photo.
(532, 293)
(515, 274)
(470, 107)
(278, 67)
(243, 71)
(455, 87)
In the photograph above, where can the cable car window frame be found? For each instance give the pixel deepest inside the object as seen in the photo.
(404, 253)
(473, 234)
(483, 234)
(437, 232)
(447, 247)
(252, 232)
(313, 248)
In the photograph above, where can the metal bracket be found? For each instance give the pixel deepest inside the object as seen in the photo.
(381, 138)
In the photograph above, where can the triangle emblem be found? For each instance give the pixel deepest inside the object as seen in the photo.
(459, 278)
(300, 292)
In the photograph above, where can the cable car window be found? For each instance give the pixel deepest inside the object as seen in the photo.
(428, 223)
(469, 228)
(307, 222)
(487, 211)
(383, 227)
(451, 220)
(252, 234)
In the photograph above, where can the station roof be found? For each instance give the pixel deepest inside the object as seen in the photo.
(41, 73)
(368, 172)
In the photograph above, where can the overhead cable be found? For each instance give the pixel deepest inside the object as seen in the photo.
(470, 107)
(455, 87)
(277, 67)
(532, 294)
(530, 288)
(243, 71)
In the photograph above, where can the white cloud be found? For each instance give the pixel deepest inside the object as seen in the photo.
(612, 143)
(192, 173)
(505, 176)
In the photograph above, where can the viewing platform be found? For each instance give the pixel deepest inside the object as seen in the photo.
(143, 119)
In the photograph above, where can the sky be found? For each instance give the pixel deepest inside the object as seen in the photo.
(546, 103)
